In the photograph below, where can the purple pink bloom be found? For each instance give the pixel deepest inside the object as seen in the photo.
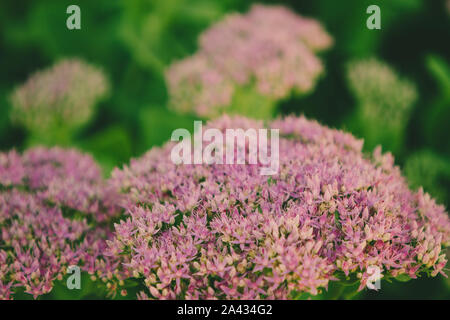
(54, 208)
(225, 231)
(270, 49)
(62, 95)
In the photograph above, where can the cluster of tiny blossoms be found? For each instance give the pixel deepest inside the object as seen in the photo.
(49, 201)
(270, 48)
(227, 232)
(381, 93)
(62, 95)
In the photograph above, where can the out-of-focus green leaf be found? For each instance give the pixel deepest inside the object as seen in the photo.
(431, 171)
(111, 147)
(157, 124)
(403, 277)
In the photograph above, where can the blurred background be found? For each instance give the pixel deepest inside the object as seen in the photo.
(398, 76)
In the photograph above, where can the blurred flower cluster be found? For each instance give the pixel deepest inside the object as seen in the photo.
(54, 207)
(224, 231)
(58, 99)
(384, 102)
(249, 61)
(150, 28)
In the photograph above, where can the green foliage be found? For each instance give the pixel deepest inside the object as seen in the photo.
(436, 121)
(157, 31)
(157, 124)
(112, 147)
(430, 171)
(384, 103)
(403, 278)
(249, 102)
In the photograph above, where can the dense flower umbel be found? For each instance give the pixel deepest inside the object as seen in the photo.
(270, 48)
(381, 93)
(62, 177)
(62, 95)
(40, 192)
(225, 231)
(384, 101)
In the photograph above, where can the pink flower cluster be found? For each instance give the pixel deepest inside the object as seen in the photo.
(225, 231)
(270, 49)
(54, 207)
(62, 94)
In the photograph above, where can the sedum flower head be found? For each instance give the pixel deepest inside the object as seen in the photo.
(225, 231)
(193, 82)
(49, 200)
(63, 95)
(270, 49)
(381, 93)
(384, 103)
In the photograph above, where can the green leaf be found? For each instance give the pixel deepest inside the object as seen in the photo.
(403, 277)
(111, 147)
(157, 124)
